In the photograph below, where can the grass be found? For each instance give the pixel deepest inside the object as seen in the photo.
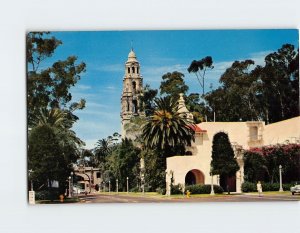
(67, 200)
(157, 195)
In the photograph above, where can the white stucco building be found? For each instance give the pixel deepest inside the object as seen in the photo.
(195, 168)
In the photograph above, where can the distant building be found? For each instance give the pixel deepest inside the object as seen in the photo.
(195, 169)
(132, 91)
(89, 178)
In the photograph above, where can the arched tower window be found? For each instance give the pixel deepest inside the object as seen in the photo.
(128, 70)
(134, 86)
(134, 107)
(137, 70)
(133, 69)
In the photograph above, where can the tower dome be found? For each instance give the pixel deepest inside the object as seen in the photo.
(131, 56)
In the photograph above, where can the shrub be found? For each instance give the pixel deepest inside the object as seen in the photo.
(48, 194)
(176, 189)
(248, 187)
(161, 191)
(203, 189)
(251, 187)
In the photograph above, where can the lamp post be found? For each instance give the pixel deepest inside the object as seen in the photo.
(103, 186)
(69, 186)
(127, 183)
(72, 183)
(280, 178)
(117, 181)
(109, 186)
(212, 191)
(31, 182)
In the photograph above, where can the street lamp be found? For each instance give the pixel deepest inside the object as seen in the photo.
(280, 178)
(69, 186)
(117, 186)
(127, 183)
(103, 186)
(31, 182)
(109, 186)
(72, 183)
(212, 191)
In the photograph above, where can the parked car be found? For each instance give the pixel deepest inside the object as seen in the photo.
(295, 189)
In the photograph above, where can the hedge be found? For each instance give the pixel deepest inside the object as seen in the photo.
(251, 187)
(203, 189)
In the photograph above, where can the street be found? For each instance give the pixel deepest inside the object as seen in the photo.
(128, 198)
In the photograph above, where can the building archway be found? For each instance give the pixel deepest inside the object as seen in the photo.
(194, 177)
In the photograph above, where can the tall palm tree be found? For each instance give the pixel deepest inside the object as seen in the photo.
(167, 129)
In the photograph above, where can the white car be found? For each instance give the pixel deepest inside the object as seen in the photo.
(295, 189)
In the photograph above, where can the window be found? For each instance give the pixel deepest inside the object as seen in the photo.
(253, 133)
(98, 174)
(133, 70)
(137, 70)
(128, 70)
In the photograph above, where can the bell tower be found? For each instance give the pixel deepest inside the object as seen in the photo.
(132, 90)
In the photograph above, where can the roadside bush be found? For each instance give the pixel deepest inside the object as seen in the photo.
(176, 189)
(251, 187)
(161, 191)
(135, 190)
(203, 189)
(48, 194)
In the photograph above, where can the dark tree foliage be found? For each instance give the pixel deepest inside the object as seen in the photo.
(223, 162)
(147, 99)
(269, 93)
(173, 84)
(263, 163)
(255, 167)
(199, 68)
(155, 170)
(125, 162)
(46, 158)
(48, 87)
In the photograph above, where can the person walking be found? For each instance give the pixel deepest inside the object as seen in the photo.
(259, 188)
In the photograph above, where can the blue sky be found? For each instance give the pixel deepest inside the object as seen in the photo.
(159, 52)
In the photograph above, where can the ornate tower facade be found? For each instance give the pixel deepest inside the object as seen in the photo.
(132, 90)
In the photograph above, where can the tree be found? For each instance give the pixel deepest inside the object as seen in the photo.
(125, 162)
(255, 167)
(280, 84)
(147, 100)
(52, 144)
(199, 68)
(48, 87)
(167, 130)
(46, 158)
(223, 162)
(173, 84)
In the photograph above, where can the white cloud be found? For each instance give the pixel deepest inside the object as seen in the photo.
(83, 87)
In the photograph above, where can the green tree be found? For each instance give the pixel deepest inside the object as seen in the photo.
(46, 158)
(124, 162)
(280, 84)
(223, 162)
(173, 84)
(48, 87)
(167, 130)
(147, 99)
(199, 68)
(255, 167)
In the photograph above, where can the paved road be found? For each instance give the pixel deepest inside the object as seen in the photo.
(107, 198)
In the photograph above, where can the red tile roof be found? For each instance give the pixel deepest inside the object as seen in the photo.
(197, 129)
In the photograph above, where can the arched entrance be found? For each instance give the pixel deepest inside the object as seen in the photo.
(194, 177)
